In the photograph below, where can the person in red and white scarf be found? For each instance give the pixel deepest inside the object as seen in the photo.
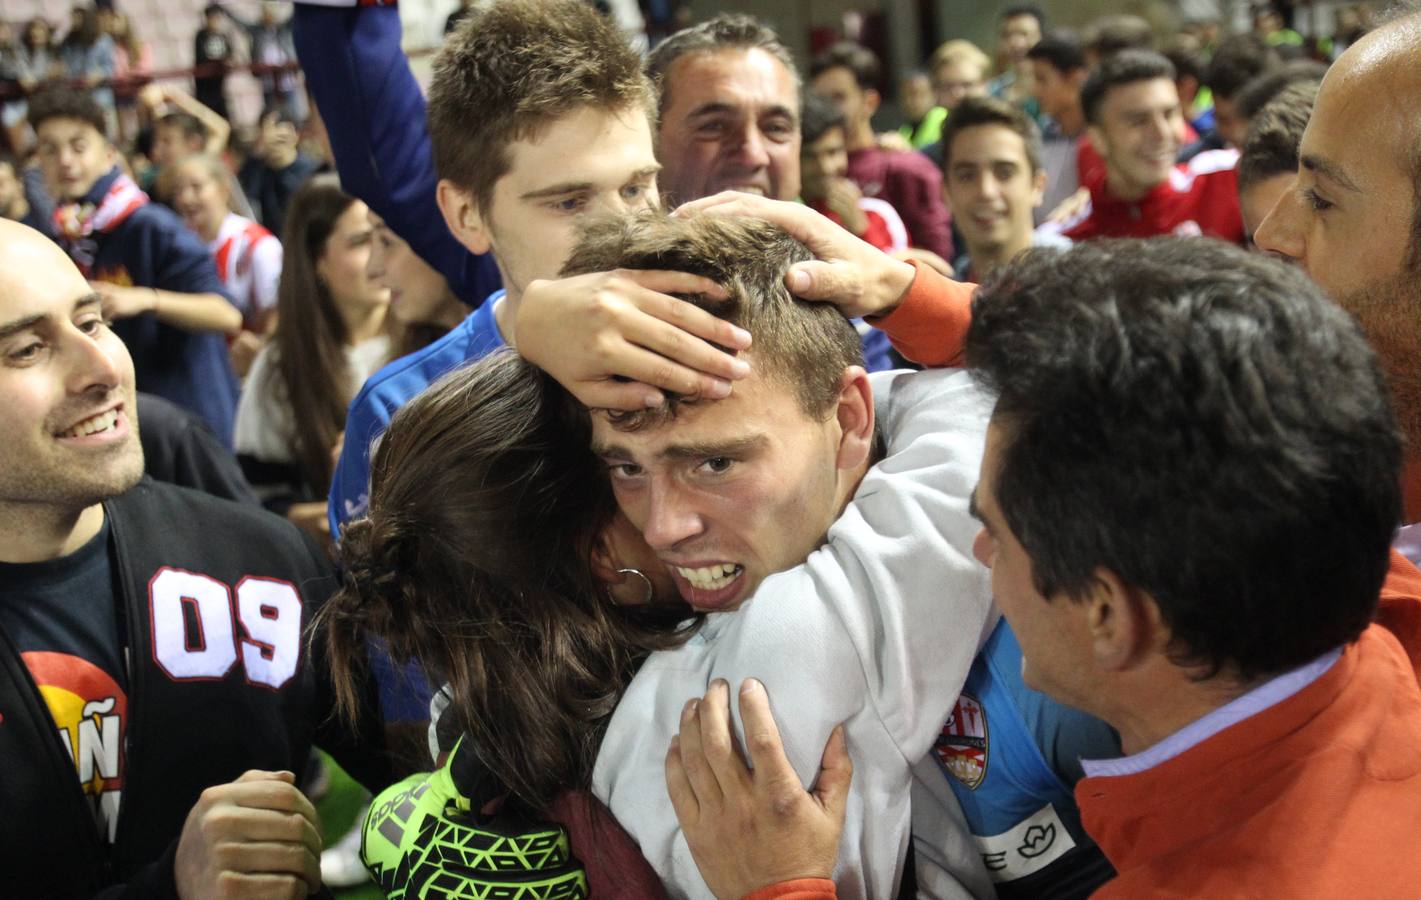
(248, 256)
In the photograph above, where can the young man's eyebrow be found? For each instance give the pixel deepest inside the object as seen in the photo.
(576, 187)
(1331, 171)
(709, 449)
(611, 451)
(557, 190)
(17, 325)
(695, 451)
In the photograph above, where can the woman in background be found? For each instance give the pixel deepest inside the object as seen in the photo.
(330, 335)
(421, 302)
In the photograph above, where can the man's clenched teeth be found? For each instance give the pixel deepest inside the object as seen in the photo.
(93, 425)
(711, 578)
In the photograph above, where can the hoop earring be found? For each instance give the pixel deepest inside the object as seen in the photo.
(650, 590)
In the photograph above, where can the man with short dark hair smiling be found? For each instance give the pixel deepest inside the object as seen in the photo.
(1136, 122)
(729, 111)
(992, 177)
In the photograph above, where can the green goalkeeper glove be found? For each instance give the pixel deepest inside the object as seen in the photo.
(425, 840)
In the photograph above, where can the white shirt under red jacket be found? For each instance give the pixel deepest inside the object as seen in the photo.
(1199, 197)
(249, 263)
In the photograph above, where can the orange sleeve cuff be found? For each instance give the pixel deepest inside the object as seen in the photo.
(799, 889)
(929, 326)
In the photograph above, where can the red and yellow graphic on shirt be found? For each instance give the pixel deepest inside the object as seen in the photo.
(90, 713)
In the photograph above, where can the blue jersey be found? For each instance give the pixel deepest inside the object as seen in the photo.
(389, 389)
(1012, 757)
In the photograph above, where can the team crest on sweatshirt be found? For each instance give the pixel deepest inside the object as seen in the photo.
(963, 745)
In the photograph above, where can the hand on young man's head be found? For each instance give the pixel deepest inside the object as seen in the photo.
(855, 276)
(616, 340)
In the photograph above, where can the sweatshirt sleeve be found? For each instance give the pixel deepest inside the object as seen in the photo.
(374, 112)
(799, 889)
(930, 325)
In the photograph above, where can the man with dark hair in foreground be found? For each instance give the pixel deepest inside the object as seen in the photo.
(1218, 434)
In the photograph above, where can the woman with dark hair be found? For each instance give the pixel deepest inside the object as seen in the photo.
(329, 337)
(491, 552)
(88, 58)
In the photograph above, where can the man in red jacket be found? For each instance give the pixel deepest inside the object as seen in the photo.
(1136, 122)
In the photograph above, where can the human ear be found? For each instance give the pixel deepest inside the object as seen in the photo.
(603, 568)
(461, 214)
(1038, 188)
(1122, 620)
(855, 417)
(871, 101)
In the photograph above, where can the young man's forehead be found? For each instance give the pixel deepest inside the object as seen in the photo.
(992, 142)
(590, 145)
